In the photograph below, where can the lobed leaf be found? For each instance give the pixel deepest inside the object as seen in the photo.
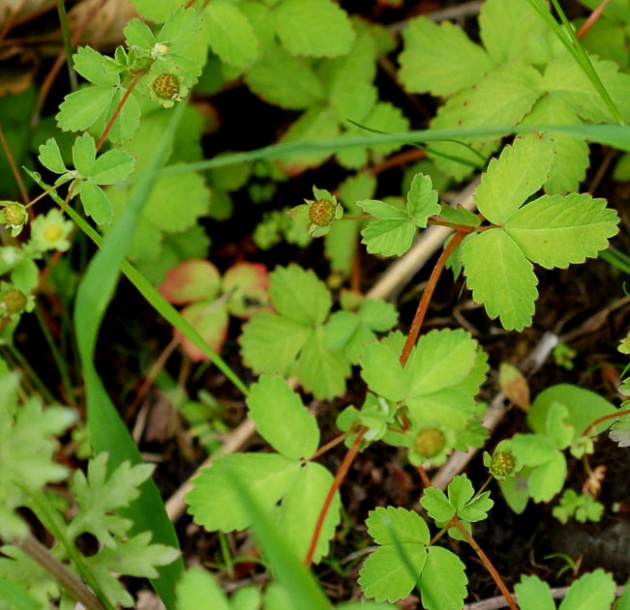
(534, 594)
(281, 418)
(422, 200)
(84, 154)
(555, 230)
(443, 581)
(382, 372)
(392, 526)
(593, 591)
(82, 109)
(438, 505)
(96, 203)
(50, 157)
(111, 167)
(99, 69)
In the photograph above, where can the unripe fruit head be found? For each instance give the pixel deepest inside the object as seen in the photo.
(166, 86)
(15, 214)
(503, 463)
(13, 301)
(322, 212)
(429, 442)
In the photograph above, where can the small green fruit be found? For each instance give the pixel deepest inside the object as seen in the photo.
(13, 301)
(322, 212)
(503, 463)
(166, 86)
(15, 214)
(429, 442)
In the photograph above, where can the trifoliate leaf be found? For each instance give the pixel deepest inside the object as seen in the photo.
(322, 371)
(269, 334)
(581, 507)
(299, 295)
(99, 495)
(216, 505)
(534, 594)
(96, 203)
(285, 80)
(81, 109)
(555, 230)
(301, 507)
(443, 581)
(620, 432)
(318, 28)
(112, 167)
(501, 21)
(281, 418)
(440, 59)
(198, 589)
(98, 69)
(594, 591)
(518, 173)
(230, 34)
(422, 200)
(50, 157)
(84, 154)
(500, 277)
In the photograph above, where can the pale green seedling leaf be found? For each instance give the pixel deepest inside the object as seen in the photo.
(99, 495)
(96, 203)
(50, 157)
(391, 526)
(216, 505)
(84, 154)
(317, 28)
(320, 370)
(534, 449)
(422, 200)
(557, 428)
(385, 575)
(534, 594)
(301, 506)
(440, 59)
(230, 34)
(443, 581)
(519, 172)
(500, 277)
(281, 418)
(548, 479)
(81, 109)
(268, 334)
(555, 230)
(299, 295)
(98, 69)
(594, 591)
(198, 589)
(111, 167)
(438, 505)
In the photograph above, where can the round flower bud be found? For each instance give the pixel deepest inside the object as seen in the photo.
(322, 212)
(166, 86)
(429, 442)
(13, 301)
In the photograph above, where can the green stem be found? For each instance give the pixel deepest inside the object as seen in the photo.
(67, 43)
(39, 385)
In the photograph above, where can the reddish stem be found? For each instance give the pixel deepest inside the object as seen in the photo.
(134, 82)
(592, 19)
(424, 476)
(599, 420)
(423, 306)
(339, 477)
(488, 564)
(14, 169)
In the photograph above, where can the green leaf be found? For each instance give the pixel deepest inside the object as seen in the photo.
(99, 496)
(378, 315)
(594, 591)
(198, 589)
(438, 505)
(391, 232)
(440, 59)
(382, 372)
(156, 10)
(534, 449)
(299, 295)
(190, 281)
(422, 200)
(318, 28)
(386, 576)
(50, 157)
(500, 277)
(84, 154)
(81, 109)
(215, 504)
(98, 69)
(443, 580)
(320, 370)
(111, 167)
(180, 29)
(548, 479)
(501, 23)
(230, 34)
(519, 172)
(285, 80)
(555, 230)
(96, 203)
(392, 526)
(281, 418)
(557, 429)
(138, 34)
(266, 334)
(210, 319)
(534, 594)
(300, 509)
